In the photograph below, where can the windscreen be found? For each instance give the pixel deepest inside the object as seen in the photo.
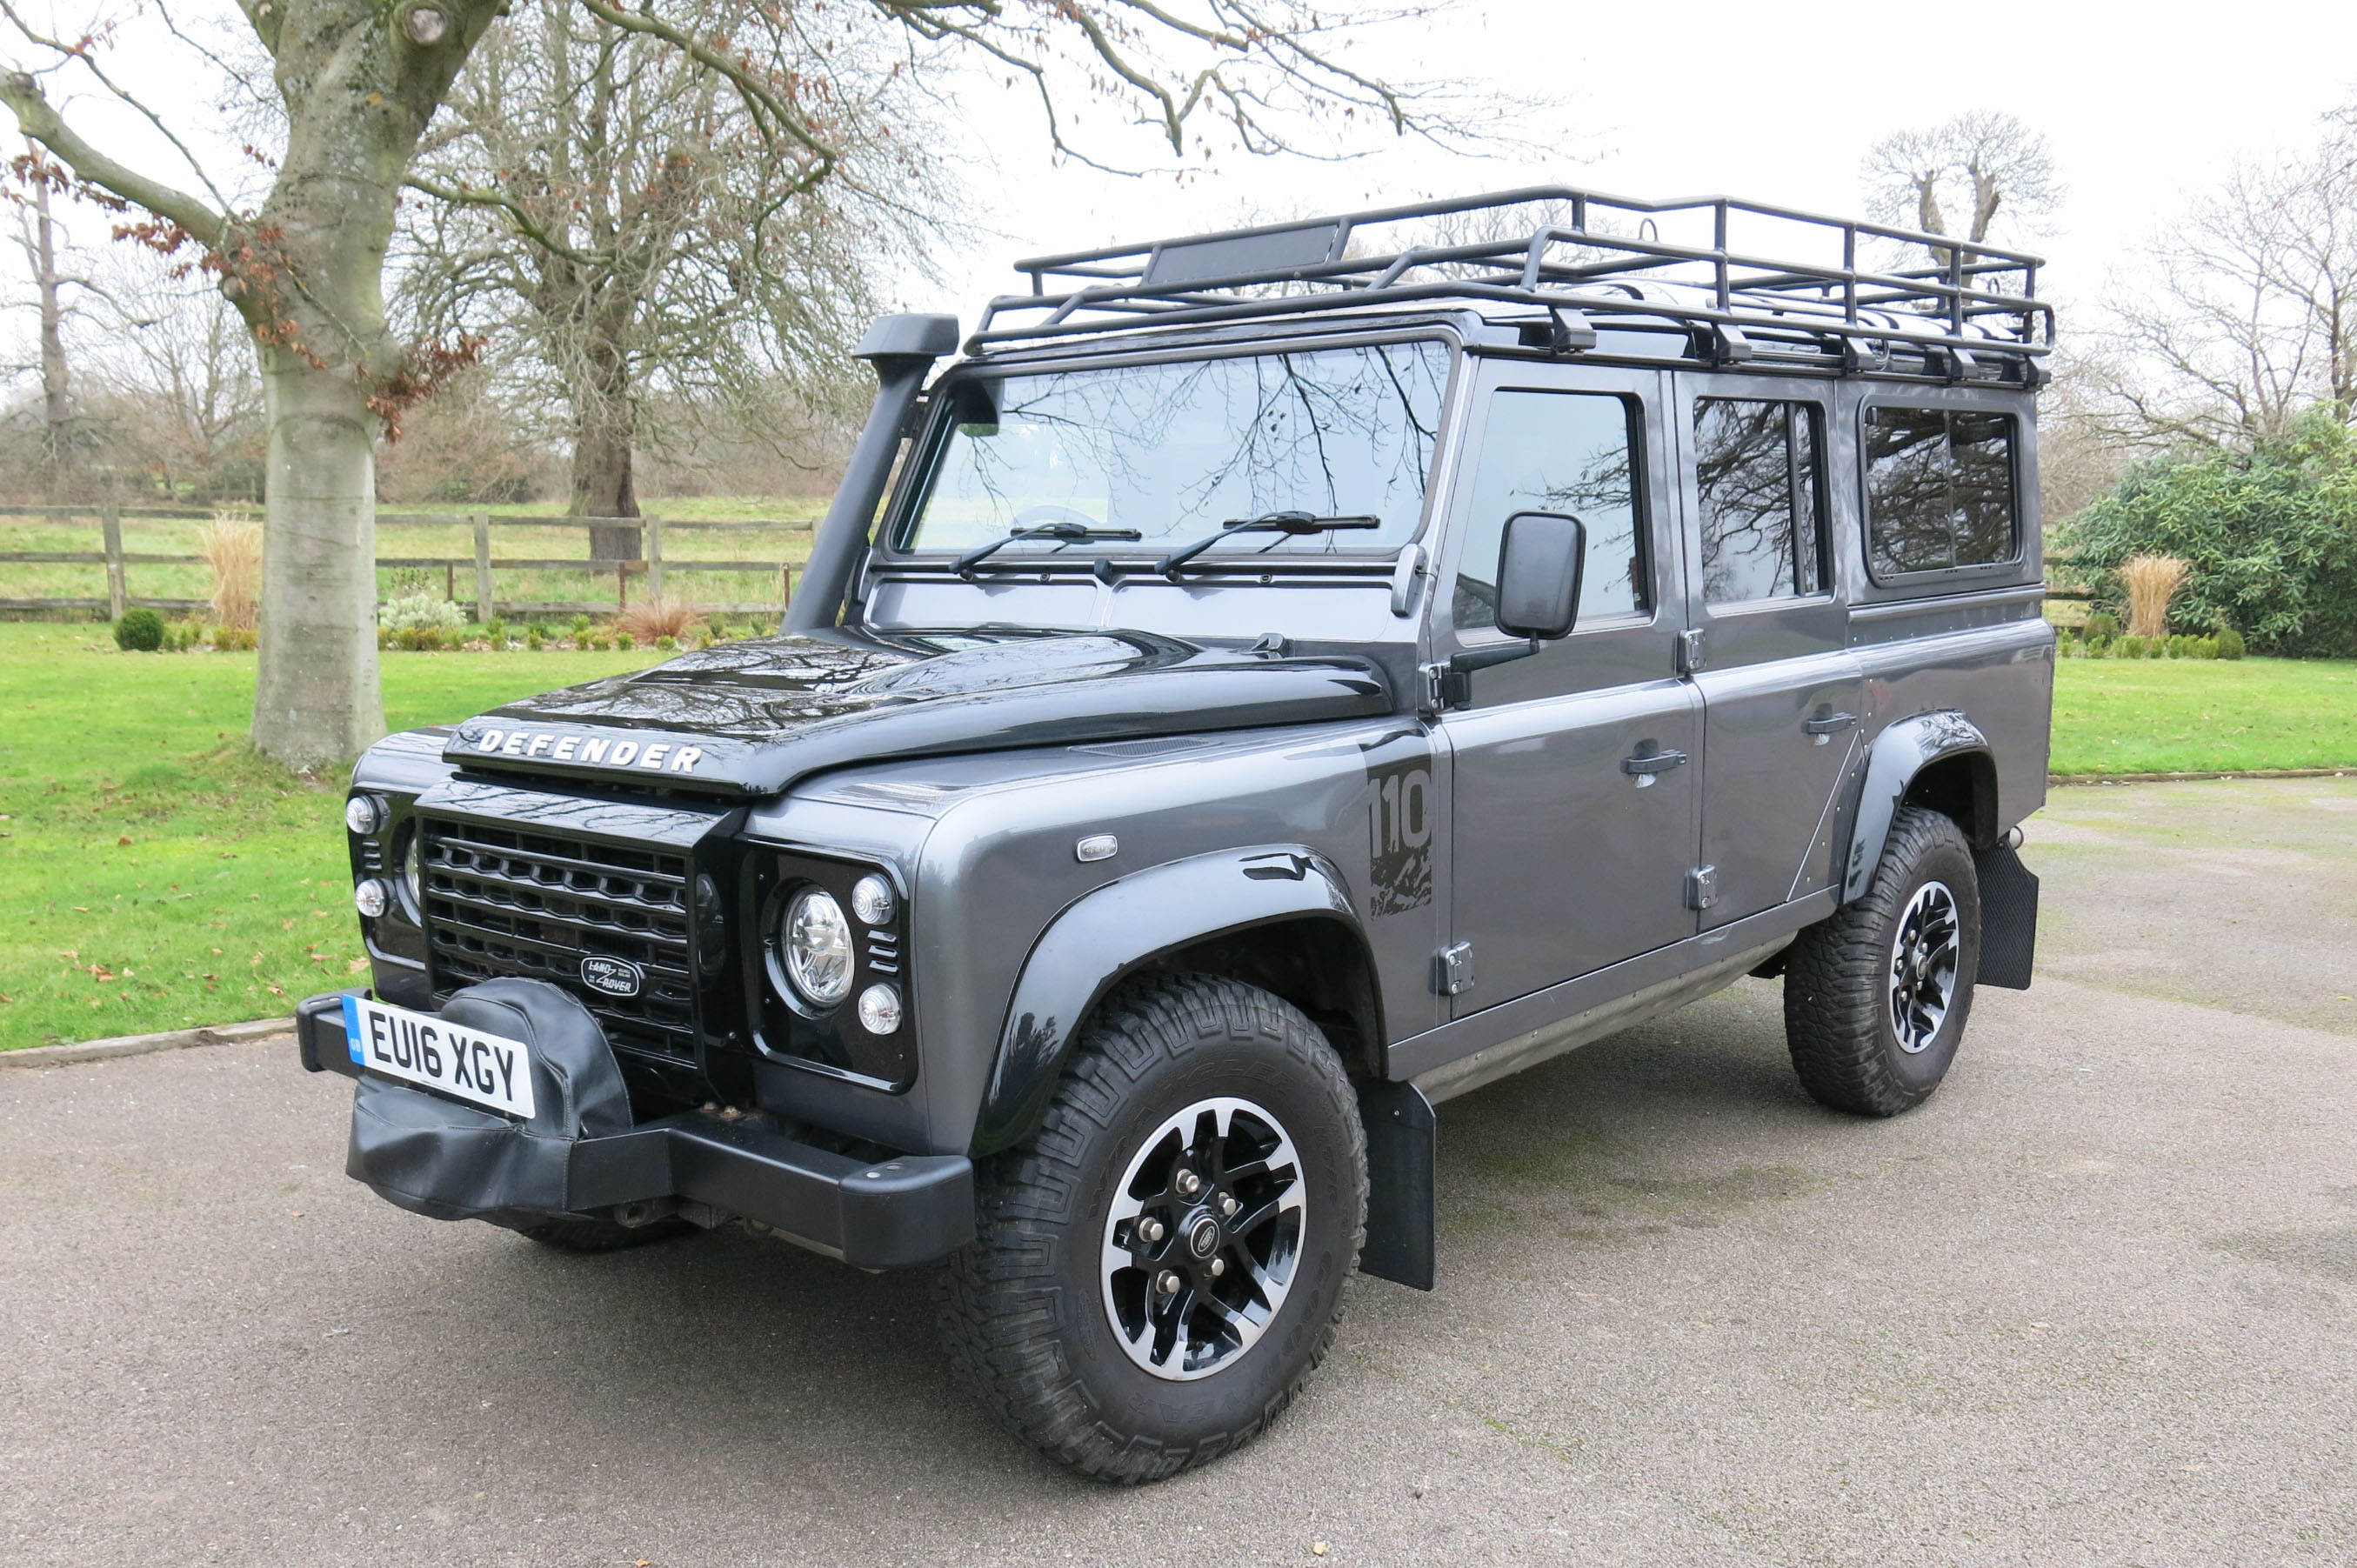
(1175, 451)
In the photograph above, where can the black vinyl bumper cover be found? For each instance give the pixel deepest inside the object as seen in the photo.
(581, 1154)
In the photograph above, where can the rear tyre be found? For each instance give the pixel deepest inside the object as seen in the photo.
(1877, 995)
(1159, 1269)
(601, 1235)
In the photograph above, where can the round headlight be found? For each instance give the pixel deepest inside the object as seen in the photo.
(872, 901)
(363, 813)
(413, 874)
(816, 942)
(371, 898)
(880, 1010)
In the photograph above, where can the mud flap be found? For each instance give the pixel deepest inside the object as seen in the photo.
(1403, 1220)
(436, 1157)
(2008, 918)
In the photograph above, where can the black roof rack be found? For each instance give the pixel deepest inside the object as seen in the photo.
(1695, 261)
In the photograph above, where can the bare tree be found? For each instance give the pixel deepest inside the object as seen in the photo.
(359, 83)
(613, 208)
(2251, 316)
(1978, 167)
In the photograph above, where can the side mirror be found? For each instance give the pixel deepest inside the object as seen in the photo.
(1539, 564)
(1540, 558)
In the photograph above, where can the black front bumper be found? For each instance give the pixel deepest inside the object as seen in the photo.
(911, 1208)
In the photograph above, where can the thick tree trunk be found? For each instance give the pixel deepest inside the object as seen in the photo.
(605, 430)
(315, 700)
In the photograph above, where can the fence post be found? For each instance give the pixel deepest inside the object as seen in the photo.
(654, 557)
(786, 585)
(621, 586)
(118, 593)
(482, 522)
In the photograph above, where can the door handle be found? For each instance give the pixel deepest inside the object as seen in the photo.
(1828, 723)
(1645, 764)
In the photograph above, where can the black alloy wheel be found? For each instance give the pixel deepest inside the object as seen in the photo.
(1159, 1268)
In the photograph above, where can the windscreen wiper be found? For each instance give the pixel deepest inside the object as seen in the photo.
(1293, 523)
(1064, 533)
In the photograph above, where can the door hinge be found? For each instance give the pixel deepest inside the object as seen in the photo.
(1453, 974)
(1702, 887)
(1444, 687)
(1693, 651)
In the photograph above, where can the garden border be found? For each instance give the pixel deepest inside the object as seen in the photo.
(2055, 781)
(142, 1045)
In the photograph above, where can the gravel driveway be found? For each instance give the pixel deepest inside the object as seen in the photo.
(2096, 1303)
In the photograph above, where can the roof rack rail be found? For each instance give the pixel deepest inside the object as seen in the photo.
(1588, 252)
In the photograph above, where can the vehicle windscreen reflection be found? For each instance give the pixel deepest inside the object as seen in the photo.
(1174, 451)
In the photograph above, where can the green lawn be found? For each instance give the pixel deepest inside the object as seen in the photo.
(2200, 715)
(153, 873)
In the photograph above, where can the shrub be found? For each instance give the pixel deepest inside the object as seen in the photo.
(423, 612)
(2150, 581)
(2100, 625)
(704, 637)
(580, 625)
(533, 640)
(2097, 646)
(666, 643)
(230, 545)
(2270, 536)
(497, 630)
(139, 631)
(2128, 647)
(653, 618)
(2230, 643)
(625, 641)
(2204, 648)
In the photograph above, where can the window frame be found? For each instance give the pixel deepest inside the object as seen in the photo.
(1929, 401)
(921, 457)
(1643, 507)
(1821, 427)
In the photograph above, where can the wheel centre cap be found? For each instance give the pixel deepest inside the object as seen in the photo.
(1203, 1237)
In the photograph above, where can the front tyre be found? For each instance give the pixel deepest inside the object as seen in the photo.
(1159, 1269)
(1876, 995)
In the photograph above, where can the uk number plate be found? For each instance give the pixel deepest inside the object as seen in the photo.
(421, 1048)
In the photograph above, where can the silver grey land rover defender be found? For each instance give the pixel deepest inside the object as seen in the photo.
(1265, 684)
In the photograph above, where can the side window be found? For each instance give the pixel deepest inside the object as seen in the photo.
(1757, 475)
(1938, 489)
(1569, 452)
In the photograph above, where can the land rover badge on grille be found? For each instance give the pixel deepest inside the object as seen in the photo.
(614, 976)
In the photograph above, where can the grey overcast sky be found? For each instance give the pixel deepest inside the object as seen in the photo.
(2144, 105)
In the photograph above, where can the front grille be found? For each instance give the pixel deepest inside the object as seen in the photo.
(503, 901)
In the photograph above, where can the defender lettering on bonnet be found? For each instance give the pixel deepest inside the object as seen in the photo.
(657, 757)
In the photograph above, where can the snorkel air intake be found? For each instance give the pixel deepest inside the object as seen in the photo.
(903, 349)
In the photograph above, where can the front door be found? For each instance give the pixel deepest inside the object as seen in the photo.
(1782, 697)
(1575, 803)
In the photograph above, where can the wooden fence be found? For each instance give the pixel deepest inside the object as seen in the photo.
(652, 568)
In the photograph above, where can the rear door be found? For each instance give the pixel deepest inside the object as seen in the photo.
(1781, 695)
(1573, 804)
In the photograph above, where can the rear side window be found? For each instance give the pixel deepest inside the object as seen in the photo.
(1938, 489)
(1548, 451)
(1756, 473)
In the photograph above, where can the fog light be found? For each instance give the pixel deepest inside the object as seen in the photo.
(364, 814)
(371, 898)
(880, 1010)
(872, 901)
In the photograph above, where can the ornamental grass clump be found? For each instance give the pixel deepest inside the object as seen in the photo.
(230, 548)
(2151, 582)
(650, 620)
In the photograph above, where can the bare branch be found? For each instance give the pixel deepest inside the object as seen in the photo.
(23, 96)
